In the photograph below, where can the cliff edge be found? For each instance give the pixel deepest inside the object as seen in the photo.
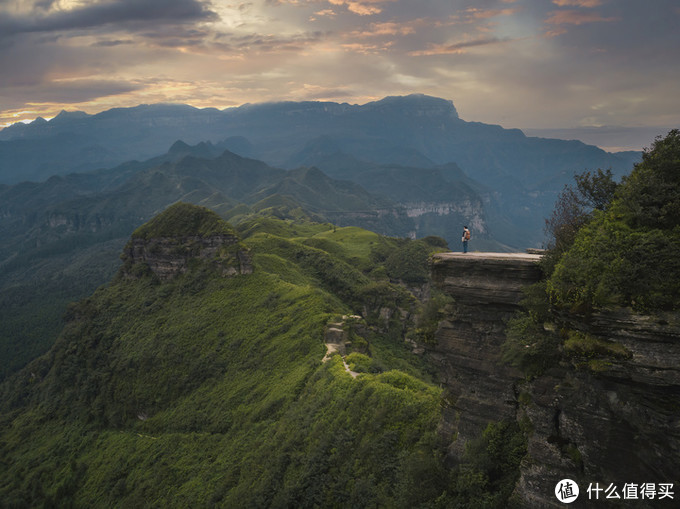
(181, 235)
(604, 414)
(487, 289)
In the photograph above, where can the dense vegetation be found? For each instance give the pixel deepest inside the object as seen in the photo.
(615, 246)
(627, 255)
(183, 219)
(210, 391)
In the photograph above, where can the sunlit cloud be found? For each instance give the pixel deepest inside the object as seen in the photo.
(475, 13)
(362, 7)
(571, 17)
(324, 13)
(384, 29)
(456, 48)
(578, 3)
(559, 20)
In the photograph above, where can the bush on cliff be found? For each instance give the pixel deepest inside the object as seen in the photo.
(628, 254)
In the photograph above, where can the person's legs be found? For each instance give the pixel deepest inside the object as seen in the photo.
(465, 246)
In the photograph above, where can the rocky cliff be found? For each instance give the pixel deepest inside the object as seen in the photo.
(487, 288)
(609, 413)
(182, 236)
(167, 257)
(606, 413)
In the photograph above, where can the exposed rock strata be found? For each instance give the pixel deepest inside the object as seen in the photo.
(613, 420)
(167, 257)
(487, 288)
(607, 419)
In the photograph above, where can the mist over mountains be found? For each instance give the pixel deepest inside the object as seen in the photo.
(257, 316)
(517, 176)
(402, 166)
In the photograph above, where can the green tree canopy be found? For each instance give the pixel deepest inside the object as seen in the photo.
(628, 254)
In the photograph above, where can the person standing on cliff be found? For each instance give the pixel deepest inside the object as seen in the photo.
(465, 239)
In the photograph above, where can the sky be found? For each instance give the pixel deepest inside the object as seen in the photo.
(569, 65)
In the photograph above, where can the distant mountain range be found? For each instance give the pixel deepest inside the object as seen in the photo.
(518, 177)
(414, 130)
(62, 237)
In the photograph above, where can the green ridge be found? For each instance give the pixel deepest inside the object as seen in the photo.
(183, 219)
(206, 391)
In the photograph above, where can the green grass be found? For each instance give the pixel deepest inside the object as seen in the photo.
(183, 219)
(355, 242)
(586, 345)
(210, 391)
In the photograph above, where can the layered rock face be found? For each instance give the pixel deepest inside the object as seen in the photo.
(611, 420)
(169, 256)
(487, 289)
(609, 415)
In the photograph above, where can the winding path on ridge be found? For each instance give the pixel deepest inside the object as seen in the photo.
(334, 338)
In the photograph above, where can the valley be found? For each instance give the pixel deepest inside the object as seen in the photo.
(204, 328)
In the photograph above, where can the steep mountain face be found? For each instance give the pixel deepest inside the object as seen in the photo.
(607, 421)
(439, 199)
(487, 290)
(606, 414)
(171, 242)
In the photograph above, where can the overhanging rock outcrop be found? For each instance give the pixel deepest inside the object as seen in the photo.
(487, 290)
(486, 278)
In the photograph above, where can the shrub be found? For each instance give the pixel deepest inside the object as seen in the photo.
(627, 255)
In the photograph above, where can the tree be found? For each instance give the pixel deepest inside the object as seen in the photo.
(597, 189)
(651, 196)
(574, 208)
(627, 255)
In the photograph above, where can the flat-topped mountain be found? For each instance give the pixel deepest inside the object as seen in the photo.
(383, 131)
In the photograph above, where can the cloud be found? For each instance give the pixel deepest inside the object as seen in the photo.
(362, 7)
(613, 60)
(578, 3)
(70, 91)
(456, 48)
(330, 13)
(572, 17)
(384, 29)
(474, 13)
(121, 13)
(111, 43)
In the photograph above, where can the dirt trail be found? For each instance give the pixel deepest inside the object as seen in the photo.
(335, 338)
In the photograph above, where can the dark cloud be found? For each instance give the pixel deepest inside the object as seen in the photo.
(266, 42)
(111, 43)
(70, 92)
(124, 13)
(442, 49)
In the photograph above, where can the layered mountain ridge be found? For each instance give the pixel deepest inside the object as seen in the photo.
(201, 387)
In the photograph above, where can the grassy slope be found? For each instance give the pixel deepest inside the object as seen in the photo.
(208, 391)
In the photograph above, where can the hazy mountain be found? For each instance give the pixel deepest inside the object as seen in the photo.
(62, 237)
(522, 175)
(409, 130)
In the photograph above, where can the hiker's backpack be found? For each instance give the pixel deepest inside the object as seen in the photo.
(467, 235)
